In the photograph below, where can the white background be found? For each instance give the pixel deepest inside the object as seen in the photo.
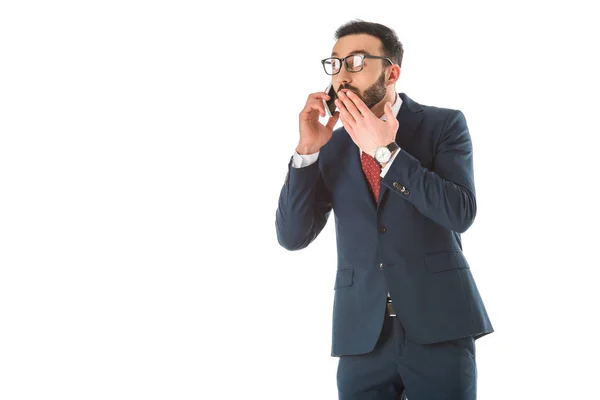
(143, 148)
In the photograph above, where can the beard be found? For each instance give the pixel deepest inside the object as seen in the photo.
(373, 94)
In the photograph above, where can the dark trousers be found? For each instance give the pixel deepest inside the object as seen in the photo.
(398, 369)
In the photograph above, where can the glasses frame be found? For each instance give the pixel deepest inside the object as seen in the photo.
(345, 62)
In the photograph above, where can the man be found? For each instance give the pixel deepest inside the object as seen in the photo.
(399, 176)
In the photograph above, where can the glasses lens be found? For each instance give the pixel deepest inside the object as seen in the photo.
(332, 66)
(355, 63)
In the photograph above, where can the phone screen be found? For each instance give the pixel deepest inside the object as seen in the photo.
(331, 102)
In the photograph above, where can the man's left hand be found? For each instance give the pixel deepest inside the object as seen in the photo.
(366, 130)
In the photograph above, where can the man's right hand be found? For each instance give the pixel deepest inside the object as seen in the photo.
(313, 134)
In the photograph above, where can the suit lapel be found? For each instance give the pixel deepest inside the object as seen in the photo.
(409, 118)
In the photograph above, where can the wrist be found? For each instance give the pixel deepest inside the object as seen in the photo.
(306, 150)
(391, 158)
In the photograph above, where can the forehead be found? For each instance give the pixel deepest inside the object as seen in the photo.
(356, 43)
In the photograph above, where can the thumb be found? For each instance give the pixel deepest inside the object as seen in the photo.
(333, 120)
(389, 114)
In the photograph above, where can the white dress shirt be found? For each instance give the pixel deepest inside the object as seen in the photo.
(304, 160)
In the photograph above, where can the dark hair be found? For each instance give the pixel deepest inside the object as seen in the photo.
(391, 45)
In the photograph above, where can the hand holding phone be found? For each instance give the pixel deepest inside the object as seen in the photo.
(313, 134)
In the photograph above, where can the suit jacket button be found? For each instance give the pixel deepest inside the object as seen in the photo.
(382, 229)
(381, 267)
(396, 185)
(406, 192)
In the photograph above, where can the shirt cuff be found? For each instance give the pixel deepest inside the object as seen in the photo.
(304, 160)
(387, 166)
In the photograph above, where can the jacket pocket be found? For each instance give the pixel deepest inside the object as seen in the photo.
(447, 260)
(344, 278)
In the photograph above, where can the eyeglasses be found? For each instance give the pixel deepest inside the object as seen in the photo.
(353, 63)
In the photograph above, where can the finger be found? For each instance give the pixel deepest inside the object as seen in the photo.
(322, 105)
(320, 102)
(350, 106)
(333, 120)
(389, 114)
(344, 111)
(347, 126)
(314, 105)
(315, 102)
(358, 103)
(319, 95)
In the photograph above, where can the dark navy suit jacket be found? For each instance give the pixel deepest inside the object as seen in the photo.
(408, 243)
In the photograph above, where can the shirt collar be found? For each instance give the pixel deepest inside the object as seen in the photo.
(395, 108)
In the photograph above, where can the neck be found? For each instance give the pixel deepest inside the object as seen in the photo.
(379, 108)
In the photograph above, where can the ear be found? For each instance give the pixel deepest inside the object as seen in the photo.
(394, 74)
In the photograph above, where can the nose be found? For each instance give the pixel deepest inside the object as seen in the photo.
(343, 77)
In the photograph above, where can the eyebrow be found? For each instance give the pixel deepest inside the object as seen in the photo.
(353, 52)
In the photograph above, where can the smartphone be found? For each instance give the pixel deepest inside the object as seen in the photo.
(330, 104)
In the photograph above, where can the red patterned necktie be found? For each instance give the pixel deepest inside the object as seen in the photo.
(372, 172)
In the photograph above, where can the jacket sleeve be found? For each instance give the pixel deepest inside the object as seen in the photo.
(304, 207)
(446, 193)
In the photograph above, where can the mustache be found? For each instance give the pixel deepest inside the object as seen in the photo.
(347, 87)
